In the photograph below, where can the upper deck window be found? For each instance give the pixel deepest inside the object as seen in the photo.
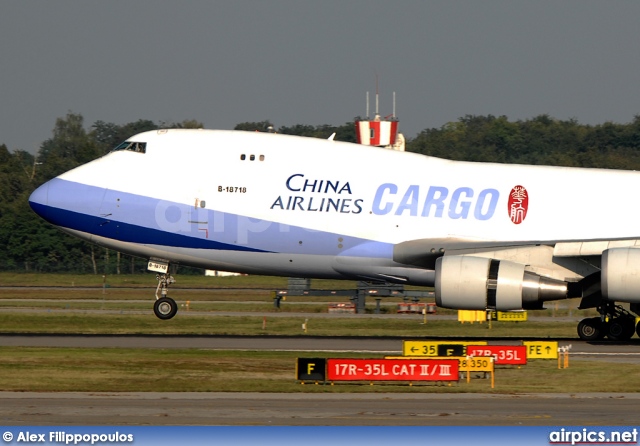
(132, 146)
(243, 157)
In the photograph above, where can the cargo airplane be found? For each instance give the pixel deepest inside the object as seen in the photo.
(486, 236)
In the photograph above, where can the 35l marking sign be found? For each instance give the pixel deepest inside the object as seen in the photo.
(503, 354)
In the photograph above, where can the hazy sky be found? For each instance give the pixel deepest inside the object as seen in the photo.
(312, 62)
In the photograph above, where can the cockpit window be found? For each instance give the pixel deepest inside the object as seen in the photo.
(132, 146)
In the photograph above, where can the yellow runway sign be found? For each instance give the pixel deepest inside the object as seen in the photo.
(476, 364)
(437, 348)
(512, 316)
(541, 349)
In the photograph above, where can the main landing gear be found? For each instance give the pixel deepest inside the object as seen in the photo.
(614, 322)
(164, 307)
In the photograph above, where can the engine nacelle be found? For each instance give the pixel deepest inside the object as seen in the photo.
(477, 283)
(620, 278)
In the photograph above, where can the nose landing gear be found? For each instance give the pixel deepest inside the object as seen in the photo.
(164, 307)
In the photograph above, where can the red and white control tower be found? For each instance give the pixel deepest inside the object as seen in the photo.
(379, 132)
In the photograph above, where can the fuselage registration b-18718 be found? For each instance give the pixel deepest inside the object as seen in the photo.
(486, 236)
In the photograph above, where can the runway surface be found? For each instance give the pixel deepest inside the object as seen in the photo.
(623, 351)
(382, 409)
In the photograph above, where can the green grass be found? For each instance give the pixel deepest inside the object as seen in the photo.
(142, 370)
(187, 324)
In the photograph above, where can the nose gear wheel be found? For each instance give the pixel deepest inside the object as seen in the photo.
(164, 307)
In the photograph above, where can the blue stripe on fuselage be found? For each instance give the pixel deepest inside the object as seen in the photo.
(127, 232)
(151, 221)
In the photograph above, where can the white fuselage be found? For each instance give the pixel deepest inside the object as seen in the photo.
(217, 199)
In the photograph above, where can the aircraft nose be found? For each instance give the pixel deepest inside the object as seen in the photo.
(39, 198)
(65, 203)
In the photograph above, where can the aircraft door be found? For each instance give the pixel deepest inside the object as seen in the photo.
(199, 215)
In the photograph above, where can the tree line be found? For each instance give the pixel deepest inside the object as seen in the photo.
(29, 244)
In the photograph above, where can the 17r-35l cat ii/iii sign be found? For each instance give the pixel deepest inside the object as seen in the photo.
(486, 236)
(392, 369)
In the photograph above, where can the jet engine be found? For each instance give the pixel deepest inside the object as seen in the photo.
(476, 283)
(621, 274)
